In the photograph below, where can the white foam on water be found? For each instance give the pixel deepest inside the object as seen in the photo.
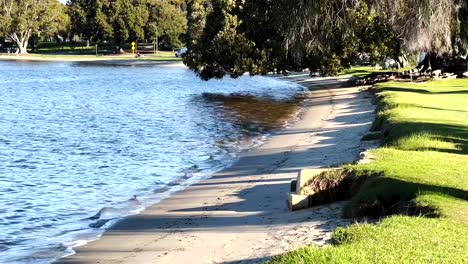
(75, 139)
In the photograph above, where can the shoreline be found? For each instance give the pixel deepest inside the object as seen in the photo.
(95, 60)
(240, 214)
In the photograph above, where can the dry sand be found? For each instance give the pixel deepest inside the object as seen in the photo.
(109, 60)
(240, 214)
(63, 58)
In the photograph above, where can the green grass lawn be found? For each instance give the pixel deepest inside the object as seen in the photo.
(360, 71)
(79, 51)
(420, 186)
(363, 71)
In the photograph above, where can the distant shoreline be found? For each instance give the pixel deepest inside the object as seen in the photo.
(100, 60)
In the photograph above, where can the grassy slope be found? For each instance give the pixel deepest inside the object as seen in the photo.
(424, 166)
(363, 71)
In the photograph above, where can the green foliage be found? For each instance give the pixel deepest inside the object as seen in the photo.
(222, 40)
(220, 49)
(269, 42)
(324, 36)
(120, 21)
(460, 32)
(127, 19)
(22, 19)
(424, 25)
(197, 11)
(377, 38)
(167, 22)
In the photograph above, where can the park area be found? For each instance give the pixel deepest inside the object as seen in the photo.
(413, 207)
(216, 131)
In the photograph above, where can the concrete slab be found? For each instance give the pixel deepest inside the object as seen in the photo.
(305, 176)
(298, 202)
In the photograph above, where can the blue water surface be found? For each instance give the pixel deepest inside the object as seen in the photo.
(79, 139)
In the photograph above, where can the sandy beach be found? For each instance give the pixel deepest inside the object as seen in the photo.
(240, 215)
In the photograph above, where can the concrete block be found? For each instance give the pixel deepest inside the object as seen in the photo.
(298, 202)
(305, 176)
(293, 186)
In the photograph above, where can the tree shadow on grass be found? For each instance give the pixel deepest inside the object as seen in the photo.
(420, 91)
(457, 134)
(441, 109)
(383, 196)
(396, 130)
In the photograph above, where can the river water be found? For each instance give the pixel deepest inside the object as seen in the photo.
(78, 141)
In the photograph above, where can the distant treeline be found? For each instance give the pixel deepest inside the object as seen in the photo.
(27, 23)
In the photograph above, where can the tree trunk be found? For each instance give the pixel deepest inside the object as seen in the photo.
(34, 41)
(401, 61)
(425, 64)
(21, 41)
(22, 47)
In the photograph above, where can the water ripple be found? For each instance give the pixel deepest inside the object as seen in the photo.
(77, 140)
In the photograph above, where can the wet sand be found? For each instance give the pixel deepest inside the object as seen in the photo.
(240, 214)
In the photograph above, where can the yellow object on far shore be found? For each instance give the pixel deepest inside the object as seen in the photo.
(133, 47)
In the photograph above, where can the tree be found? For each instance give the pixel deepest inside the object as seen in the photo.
(80, 12)
(22, 19)
(89, 19)
(322, 35)
(118, 21)
(424, 25)
(127, 19)
(197, 10)
(220, 42)
(167, 22)
(460, 39)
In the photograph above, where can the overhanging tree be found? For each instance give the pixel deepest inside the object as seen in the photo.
(424, 25)
(323, 35)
